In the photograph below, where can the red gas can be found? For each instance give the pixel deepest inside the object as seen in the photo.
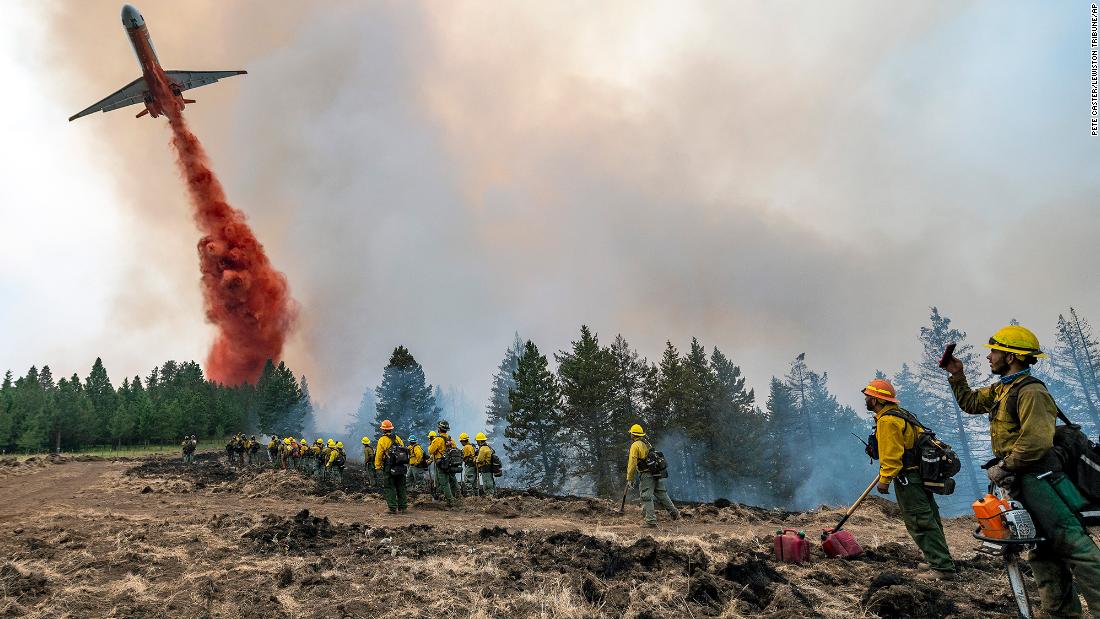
(791, 546)
(840, 544)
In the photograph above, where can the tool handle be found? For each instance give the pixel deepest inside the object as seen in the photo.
(852, 509)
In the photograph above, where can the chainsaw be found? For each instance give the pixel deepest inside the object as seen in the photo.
(1006, 529)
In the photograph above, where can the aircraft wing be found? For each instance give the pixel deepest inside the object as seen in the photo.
(130, 94)
(187, 80)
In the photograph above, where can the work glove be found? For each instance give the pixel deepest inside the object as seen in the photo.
(1000, 476)
(883, 487)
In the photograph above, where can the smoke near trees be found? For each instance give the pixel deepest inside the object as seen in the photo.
(563, 426)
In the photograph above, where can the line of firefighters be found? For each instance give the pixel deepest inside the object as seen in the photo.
(434, 470)
(400, 464)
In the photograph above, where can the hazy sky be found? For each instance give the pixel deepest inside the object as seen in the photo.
(770, 177)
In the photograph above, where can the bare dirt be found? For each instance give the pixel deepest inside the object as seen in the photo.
(102, 538)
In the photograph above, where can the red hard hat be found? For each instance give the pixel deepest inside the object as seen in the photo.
(386, 425)
(881, 389)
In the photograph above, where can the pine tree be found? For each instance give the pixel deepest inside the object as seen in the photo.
(30, 407)
(666, 391)
(798, 382)
(783, 449)
(7, 389)
(586, 377)
(630, 398)
(102, 395)
(731, 461)
(693, 418)
(496, 412)
(75, 418)
(1076, 362)
(305, 408)
(907, 387)
(839, 464)
(535, 444)
(968, 434)
(123, 424)
(362, 423)
(405, 397)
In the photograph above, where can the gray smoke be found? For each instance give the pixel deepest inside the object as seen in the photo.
(770, 178)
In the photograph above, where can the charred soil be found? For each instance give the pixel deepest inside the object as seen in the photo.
(209, 540)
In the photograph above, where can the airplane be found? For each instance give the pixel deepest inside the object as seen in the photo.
(155, 84)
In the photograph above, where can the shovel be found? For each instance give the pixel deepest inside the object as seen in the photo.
(837, 543)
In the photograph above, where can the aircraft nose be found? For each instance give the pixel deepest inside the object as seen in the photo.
(131, 17)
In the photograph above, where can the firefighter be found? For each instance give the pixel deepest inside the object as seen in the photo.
(295, 455)
(188, 447)
(650, 484)
(315, 454)
(487, 484)
(336, 460)
(229, 448)
(429, 466)
(306, 460)
(239, 449)
(368, 460)
(1023, 415)
(326, 453)
(416, 463)
(468, 465)
(253, 450)
(896, 438)
(273, 451)
(284, 453)
(393, 479)
(444, 473)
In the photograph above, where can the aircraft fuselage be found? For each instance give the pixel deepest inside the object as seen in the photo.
(160, 87)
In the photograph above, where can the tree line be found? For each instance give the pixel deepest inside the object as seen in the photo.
(562, 426)
(40, 413)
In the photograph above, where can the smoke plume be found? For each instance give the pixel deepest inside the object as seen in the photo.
(243, 295)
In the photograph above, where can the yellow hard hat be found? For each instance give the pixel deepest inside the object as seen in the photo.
(463, 437)
(304, 441)
(637, 430)
(1016, 340)
(286, 440)
(366, 441)
(318, 442)
(331, 443)
(340, 444)
(481, 437)
(432, 434)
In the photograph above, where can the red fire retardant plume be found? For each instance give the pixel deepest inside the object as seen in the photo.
(244, 296)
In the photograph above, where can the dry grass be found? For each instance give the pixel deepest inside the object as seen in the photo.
(181, 552)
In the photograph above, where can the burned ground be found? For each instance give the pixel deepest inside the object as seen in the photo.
(160, 538)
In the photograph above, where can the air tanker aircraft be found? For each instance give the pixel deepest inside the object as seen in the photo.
(155, 84)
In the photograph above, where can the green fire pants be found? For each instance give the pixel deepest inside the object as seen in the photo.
(654, 488)
(488, 484)
(393, 486)
(448, 485)
(921, 516)
(1069, 562)
(470, 476)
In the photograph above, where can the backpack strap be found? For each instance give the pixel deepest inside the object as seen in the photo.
(909, 418)
(1012, 400)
